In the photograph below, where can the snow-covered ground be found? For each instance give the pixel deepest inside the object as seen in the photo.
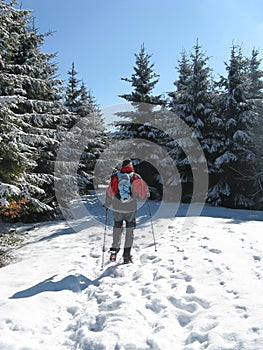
(202, 289)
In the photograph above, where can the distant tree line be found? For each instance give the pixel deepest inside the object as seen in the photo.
(38, 111)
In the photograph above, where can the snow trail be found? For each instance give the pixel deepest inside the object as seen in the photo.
(201, 290)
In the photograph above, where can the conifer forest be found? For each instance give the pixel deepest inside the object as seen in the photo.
(38, 110)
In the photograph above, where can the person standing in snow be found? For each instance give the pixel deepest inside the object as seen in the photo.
(122, 193)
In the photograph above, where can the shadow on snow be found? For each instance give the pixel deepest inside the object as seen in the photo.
(236, 216)
(75, 283)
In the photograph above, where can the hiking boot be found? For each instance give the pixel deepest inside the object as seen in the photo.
(127, 260)
(113, 256)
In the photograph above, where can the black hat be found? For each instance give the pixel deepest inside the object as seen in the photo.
(126, 162)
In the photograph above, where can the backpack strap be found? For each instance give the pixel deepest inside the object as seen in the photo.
(140, 188)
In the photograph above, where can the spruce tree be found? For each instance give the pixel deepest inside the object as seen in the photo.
(192, 102)
(178, 102)
(235, 163)
(179, 105)
(13, 161)
(73, 91)
(82, 103)
(38, 117)
(143, 80)
(96, 138)
(255, 93)
(143, 121)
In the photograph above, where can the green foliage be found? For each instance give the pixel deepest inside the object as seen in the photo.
(36, 115)
(143, 80)
(11, 165)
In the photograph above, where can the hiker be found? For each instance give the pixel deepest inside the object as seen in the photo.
(124, 189)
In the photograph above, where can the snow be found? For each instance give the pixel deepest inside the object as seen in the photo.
(4, 99)
(7, 190)
(201, 289)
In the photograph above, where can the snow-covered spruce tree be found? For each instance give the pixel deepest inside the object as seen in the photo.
(255, 93)
(72, 90)
(37, 117)
(235, 163)
(179, 105)
(96, 138)
(192, 101)
(12, 160)
(178, 98)
(143, 80)
(93, 136)
(139, 123)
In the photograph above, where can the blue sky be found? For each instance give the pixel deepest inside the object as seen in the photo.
(102, 36)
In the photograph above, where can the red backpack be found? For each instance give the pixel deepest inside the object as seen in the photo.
(139, 187)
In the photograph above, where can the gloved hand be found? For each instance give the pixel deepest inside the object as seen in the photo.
(105, 206)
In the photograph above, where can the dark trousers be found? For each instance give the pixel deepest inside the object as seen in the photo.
(119, 219)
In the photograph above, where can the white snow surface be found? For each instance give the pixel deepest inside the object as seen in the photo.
(201, 289)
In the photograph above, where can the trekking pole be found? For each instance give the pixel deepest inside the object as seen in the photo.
(154, 241)
(104, 239)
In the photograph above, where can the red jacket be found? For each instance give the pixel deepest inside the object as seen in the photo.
(139, 190)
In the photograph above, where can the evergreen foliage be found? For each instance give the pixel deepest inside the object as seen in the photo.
(193, 103)
(142, 122)
(38, 114)
(236, 159)
(28, 127)
(143, 80)
(255, 93)
(34, 120)
(90, 130)
(73, 91)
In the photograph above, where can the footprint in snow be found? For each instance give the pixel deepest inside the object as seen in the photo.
(145, 258)
(73, 310)
(242, 310)
(215, 251)
(181, 275)
(179, 304)
(184, 319)
(190, 289)
(111, 306)
(234, 292)
(196, 337)
(156, 306)
(99, 324)
(203, 303)
(257, 258)
(94, 255)
(205, 238)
